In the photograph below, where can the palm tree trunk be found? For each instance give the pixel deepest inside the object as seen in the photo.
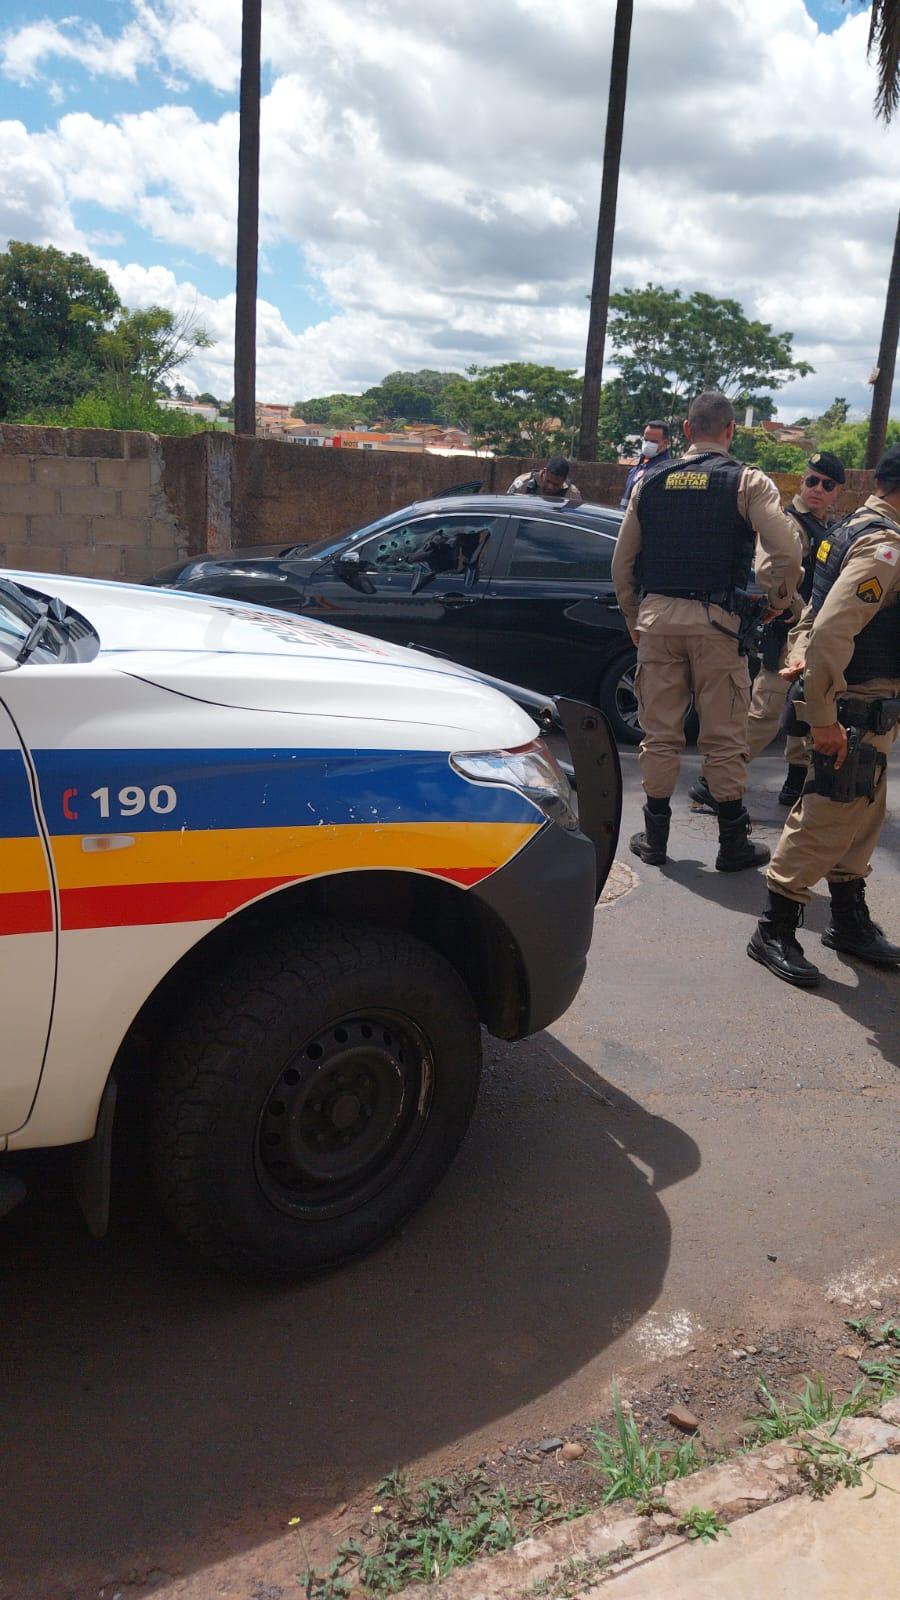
(247, 224)
(887, 356)
(606, 227)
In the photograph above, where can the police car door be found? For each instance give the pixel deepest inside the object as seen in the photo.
(27, 926)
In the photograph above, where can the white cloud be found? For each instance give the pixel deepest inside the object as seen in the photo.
(439, 174)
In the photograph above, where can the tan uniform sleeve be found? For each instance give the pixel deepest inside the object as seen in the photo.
(778, 551)
(798, 638)
(624, 576)
(574, 497)
(865, 583)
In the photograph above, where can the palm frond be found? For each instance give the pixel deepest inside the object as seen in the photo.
(884, 44)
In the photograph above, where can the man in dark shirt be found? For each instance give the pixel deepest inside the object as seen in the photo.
(654, 449)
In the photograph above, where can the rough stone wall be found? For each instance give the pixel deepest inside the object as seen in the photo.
(86, 501)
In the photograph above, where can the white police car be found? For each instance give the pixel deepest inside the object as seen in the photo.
(280, 874)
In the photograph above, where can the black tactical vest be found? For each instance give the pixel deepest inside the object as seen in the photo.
(815, 532)
(877, 650)
(694, 542)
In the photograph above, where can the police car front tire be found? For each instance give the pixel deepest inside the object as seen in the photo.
(314, 1096)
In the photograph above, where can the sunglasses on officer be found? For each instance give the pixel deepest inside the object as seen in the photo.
(811, 480)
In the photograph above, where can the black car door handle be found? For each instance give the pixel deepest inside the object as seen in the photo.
(608, 600)
(456, 600)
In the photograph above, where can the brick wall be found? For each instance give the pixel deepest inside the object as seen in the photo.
(87, 501)
(109, 504)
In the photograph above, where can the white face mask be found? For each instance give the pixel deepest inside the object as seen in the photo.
(649, 447)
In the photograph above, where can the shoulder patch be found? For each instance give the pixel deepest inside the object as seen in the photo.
(822, 552)
(869, 591)
(889, 553)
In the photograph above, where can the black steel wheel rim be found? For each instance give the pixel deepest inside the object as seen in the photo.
(344, 1114)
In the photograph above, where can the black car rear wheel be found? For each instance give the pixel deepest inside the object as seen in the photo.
(617, 696)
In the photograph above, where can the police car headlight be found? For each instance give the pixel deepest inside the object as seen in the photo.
(532, 769)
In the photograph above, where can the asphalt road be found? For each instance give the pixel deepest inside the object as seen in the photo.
(627, 1177)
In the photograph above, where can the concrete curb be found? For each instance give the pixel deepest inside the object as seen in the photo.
(731, 1489)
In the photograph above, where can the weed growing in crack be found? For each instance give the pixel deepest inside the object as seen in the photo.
(576, 1574)
(702, 1525)
(824, 1464)
(633, 1469)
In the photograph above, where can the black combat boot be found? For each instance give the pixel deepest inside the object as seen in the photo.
(851, 928)
(735, 850)
(703, 795)
(651, 844)
(774, 945)
(792, 788)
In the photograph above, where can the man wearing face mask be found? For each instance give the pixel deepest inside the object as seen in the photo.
(812, 509)
(654, 449)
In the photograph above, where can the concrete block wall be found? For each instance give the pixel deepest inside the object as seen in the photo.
(86, 501)
(123, 505)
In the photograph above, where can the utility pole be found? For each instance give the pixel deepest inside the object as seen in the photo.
(887, 356)
(606, 227)
(247, 223)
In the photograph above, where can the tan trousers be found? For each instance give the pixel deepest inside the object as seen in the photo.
(671, 667)
(766, 706)
(823, 839)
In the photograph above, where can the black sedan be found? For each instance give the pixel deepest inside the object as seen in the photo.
(516, 587)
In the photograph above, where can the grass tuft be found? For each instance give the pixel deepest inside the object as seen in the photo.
(634, 1470)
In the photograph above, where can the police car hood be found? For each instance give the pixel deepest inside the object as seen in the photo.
(257, 659)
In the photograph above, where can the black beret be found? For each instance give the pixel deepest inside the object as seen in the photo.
(888, 468)
(829, 465)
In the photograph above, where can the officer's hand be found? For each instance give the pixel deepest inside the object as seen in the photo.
(770, 613)
(791, 670)
(831, 741)
(635, 637)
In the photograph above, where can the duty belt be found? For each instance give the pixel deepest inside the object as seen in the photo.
(707, 597)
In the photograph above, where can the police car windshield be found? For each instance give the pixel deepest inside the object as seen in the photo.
(36, 627)
(18, 614)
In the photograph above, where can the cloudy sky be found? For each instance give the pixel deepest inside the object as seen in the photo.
(431, 174)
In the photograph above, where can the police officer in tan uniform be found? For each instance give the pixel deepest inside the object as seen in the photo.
(551, 482)
(810, 509)
(852, 655)
(685, 547)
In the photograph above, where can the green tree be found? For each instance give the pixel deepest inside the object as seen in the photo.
(763, 406)
(757, 446)
(518, 408)
(834, 417)
(339, 410)
(848, 442)
(671, 347)
(413, 396)
(143, 348)
(54, 309)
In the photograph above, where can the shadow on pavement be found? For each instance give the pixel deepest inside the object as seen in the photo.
(159, 1415)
